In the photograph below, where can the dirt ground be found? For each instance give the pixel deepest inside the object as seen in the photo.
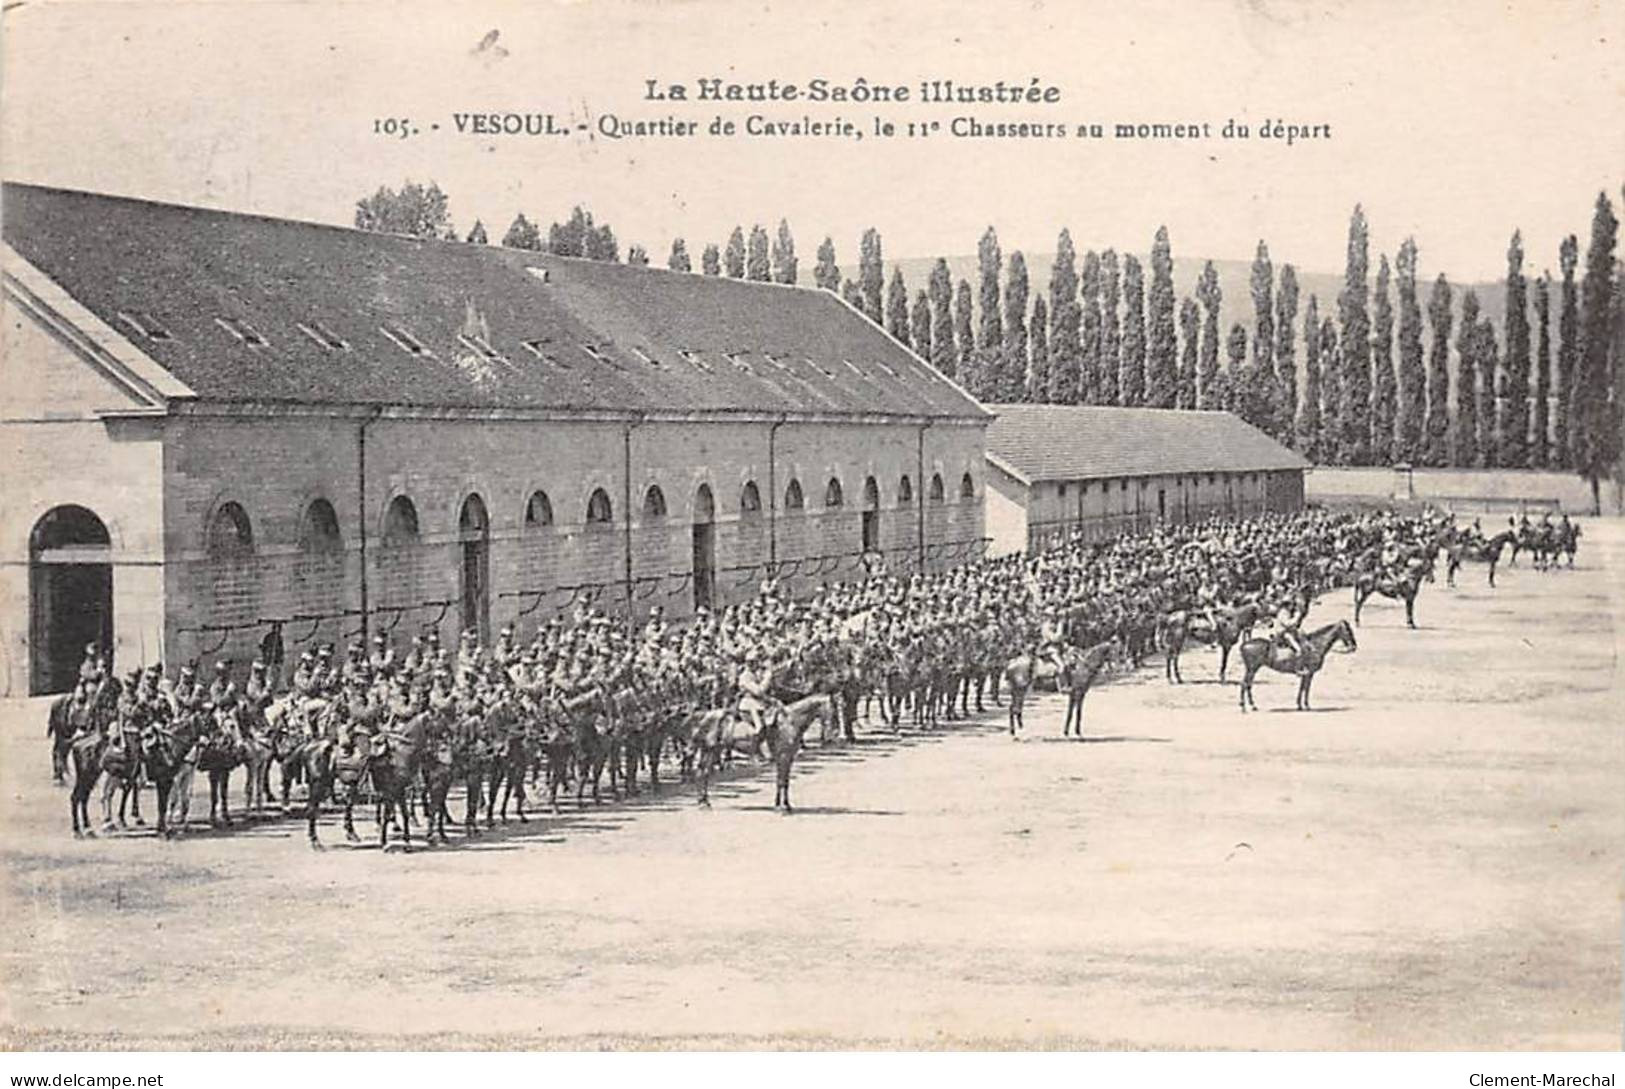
(1431, 859)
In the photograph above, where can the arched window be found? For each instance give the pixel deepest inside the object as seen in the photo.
(871, 494)
(654, 502)
(599, 510)
(937, 493)
(230, 533)
(319, 528)
(750, 500)
(705, 504)
(793, 499)
(473, 521)
(400, 522)
(832, 494)
(539, 510)
(967, 487)
(905, 490)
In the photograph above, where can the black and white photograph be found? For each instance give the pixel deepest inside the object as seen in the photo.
(691, 526)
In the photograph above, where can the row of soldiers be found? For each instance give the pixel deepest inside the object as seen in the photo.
(966, 619)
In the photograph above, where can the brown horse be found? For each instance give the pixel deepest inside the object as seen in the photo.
(121, 764)
(219, 754)
(786, 734)
(396, 753)
(1403, 587)
(164, 747)
(327, 768)
(1183, 625)
(1258, 653)
(1460, 551)
(85, 752)
(1079, 670)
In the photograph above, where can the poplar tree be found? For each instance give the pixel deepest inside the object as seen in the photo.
(733, 258)
(971, 375)
(785, 266)
(1237, 382)
(990, 332)
(1384, 385)
(1064, 347)
(1190, 320)
(1331, 392)
(1436, 436)
(678, 261)
(1595, 422)
(1568, 354)
(1089, 331)
(1413, 398)
(852, 295)
(476, 234)
(758, 265)
(1489, 438)
(826, 273)
(1037, 391)
(897, 307)
(944, 352)
(1512, 444)
(1111, 334)
(637, 255)
(1354, 445)
(871, 273)
(1540, 433)
(711, 260)
(1015, 383)
(1309, 410)
(919, 333)
(1286, 361)
(1211, 297)
(1468, 342)
(1263, 384)
(1161, 345)
(1132, 377)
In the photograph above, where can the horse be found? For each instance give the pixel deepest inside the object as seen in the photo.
(164, 748)
(510, 748)
(220, 752)
(59, 728)
(1019, 674)
(1182, 625)
(711, 733)
(1460, 551)
(786, 734)
(1257, 653)
(1078, 672)
(121, 764)
(256, 750)
(326, 768)
(1403, 587)
(394, 756)
(1568, 541)
(85, 753)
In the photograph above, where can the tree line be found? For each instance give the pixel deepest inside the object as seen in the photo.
(1374, 384)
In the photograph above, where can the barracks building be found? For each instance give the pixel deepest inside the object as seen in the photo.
(224, 433)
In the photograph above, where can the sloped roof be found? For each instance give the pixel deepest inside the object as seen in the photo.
(601, 336)
(1078, 442)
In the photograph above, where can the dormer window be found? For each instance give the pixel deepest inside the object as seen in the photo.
(820, 368)
(854, 368)
(324, 336)
(647, 358)
(887, 369)
(692, 358)
(738, 360)
(598, 354)
(405, 341)
(243, 331)
(144, 324)
(538, 348)
(479, 345)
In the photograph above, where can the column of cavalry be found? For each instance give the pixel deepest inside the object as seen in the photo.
(591, 694)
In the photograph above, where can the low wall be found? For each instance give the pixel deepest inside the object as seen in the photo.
(1497, 488)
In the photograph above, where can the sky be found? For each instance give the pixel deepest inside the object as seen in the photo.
(1451, 121)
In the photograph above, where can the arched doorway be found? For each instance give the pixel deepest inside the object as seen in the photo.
(70, 583)
(705, 548)
(871, 516)
(474, 536)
